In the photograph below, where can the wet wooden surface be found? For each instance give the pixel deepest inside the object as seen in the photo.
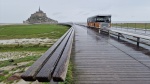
(30, 74)
(54, 60)
(99, 59)
(45, 74)
(59, 75)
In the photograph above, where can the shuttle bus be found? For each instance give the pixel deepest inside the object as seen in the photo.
(101, 22)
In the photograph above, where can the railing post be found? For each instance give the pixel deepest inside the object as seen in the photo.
(118, 36)
(138, 41)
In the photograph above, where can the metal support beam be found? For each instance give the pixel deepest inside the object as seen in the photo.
(138, 41)
(118, 36)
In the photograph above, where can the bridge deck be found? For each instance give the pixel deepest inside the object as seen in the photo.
(99, 59)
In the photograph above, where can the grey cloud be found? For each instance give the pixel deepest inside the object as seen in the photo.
(15, 11)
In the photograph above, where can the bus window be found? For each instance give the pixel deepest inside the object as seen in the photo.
(108, 19)
(100, 19)
(103, 19)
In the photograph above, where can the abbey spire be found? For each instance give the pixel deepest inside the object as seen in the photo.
(39, 8)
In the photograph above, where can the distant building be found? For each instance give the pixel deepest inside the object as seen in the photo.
(40, 17)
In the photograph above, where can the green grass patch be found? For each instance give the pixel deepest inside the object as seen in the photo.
(25, 59)
(8, 48)
(32, 31)
(2, 78)
(6, 75)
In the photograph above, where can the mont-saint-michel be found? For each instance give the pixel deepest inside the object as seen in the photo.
(39, 17)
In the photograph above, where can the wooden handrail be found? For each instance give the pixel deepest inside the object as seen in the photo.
(43, 69)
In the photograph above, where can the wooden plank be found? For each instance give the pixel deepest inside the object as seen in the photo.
(105, 58)
(44, 74)
(62, 67)
(29, 75)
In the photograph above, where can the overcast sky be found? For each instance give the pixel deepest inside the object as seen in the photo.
(15, 11)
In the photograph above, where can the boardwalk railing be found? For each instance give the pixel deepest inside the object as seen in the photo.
(138, 36)
(143, 28)
(53, 64)
(122, 33)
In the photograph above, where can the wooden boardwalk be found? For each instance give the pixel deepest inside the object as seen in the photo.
(99, 59)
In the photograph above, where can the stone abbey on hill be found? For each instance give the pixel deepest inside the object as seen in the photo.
(39, 17)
